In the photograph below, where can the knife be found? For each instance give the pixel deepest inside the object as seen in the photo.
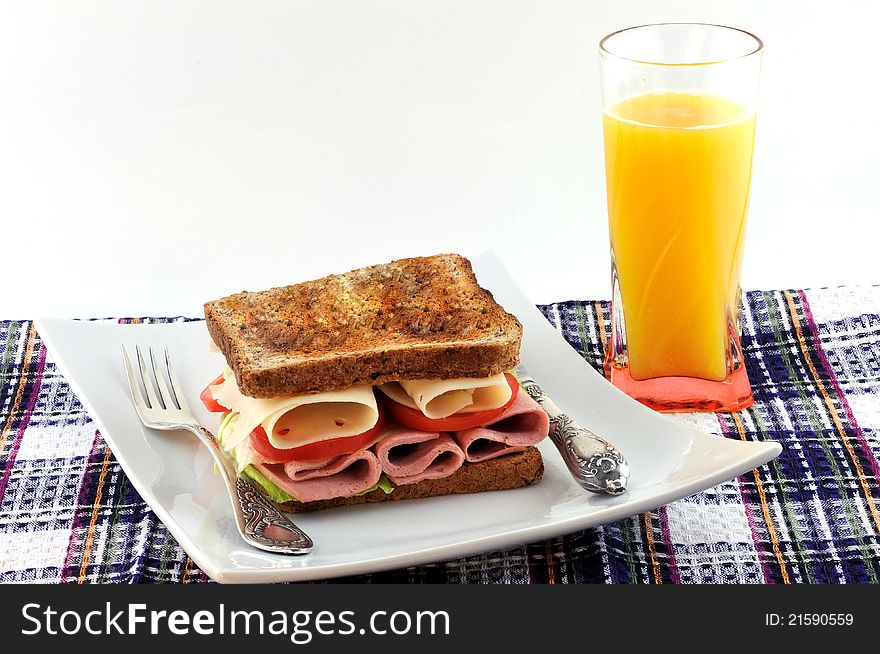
(595, 464)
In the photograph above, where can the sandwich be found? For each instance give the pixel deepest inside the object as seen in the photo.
(385, 383)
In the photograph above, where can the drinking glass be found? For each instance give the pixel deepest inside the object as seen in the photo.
(679, 103)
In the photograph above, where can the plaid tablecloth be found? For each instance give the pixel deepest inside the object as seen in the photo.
(68, 513)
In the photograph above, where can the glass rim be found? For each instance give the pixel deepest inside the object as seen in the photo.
(603, 50)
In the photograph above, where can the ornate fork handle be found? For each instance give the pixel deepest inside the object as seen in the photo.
(258, 521)
(259, 515)
(595, 464)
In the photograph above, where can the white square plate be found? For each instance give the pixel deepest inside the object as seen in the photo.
(176, 476)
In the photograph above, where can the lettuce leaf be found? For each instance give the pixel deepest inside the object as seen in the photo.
(277, 494)
(384, 483)
(274, 493)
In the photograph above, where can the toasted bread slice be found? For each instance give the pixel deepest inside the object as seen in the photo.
(419, 318)
(510, 471)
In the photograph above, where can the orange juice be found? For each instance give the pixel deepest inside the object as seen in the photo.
(678, 168)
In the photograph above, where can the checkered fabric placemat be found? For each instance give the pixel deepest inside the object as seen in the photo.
(68, 514)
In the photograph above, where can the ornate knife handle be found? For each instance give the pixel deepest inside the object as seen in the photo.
(595, 464)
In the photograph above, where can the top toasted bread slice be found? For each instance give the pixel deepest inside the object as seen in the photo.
(418, 318)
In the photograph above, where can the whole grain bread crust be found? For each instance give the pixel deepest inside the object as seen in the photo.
(417, 318)
(502, 473)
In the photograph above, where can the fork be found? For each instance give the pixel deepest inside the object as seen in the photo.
(160, 406)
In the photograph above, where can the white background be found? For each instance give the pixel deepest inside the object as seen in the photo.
(157, 154)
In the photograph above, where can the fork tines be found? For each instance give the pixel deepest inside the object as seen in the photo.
(152, 391)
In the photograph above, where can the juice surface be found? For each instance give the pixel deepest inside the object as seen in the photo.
(678, 168)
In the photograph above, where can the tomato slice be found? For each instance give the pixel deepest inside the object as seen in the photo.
(208, 400)
(321, 449)
(415, 419)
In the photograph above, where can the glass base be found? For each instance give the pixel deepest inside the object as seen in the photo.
(685, 394)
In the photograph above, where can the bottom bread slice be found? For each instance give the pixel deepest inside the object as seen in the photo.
(510, 471)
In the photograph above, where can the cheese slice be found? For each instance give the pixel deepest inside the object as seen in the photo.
(297, 420)
(440, 398)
